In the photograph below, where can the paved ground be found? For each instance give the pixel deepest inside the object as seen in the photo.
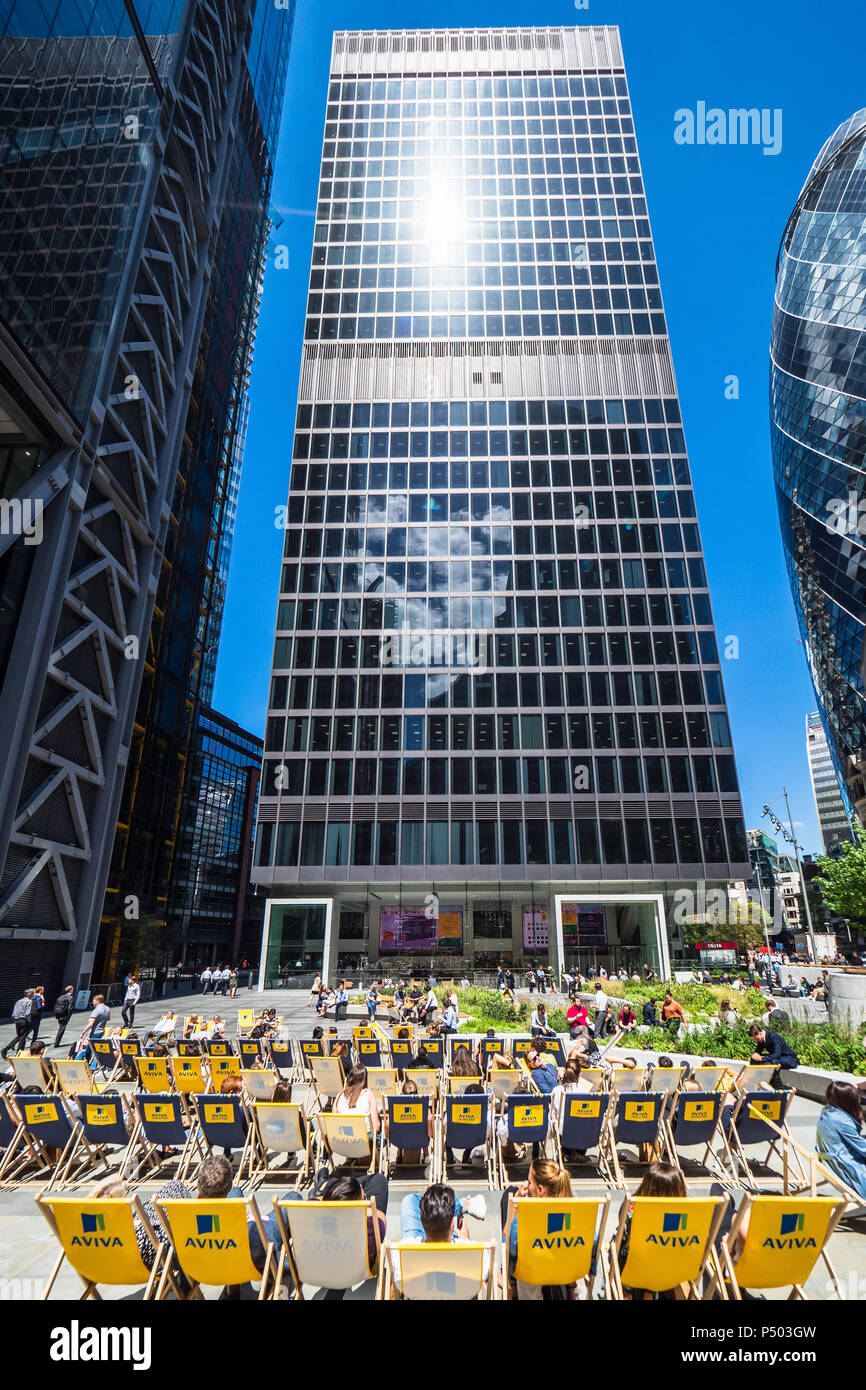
(28, 1249)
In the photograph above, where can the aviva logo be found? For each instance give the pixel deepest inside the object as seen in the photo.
(558, 1238)
(208, 1235)
(91, 1225)
(789, 1238)
(207, 1225)
(674, 1233)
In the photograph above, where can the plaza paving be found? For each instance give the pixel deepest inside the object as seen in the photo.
(28, 1249)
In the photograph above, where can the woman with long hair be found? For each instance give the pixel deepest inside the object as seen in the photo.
(545, 1179)
(462, 1063)
(357, 1099)
(659, 1180)
(839, 1138)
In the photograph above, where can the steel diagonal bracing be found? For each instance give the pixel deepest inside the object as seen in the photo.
(71, 777)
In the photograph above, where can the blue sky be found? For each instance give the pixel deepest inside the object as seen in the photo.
(717, 214)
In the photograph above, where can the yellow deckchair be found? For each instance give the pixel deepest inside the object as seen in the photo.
(780, 1241)
(98, 1238)
(212, 1243)
(670, 1245)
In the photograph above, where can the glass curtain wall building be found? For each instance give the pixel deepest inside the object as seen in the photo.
(829, 805)
(212, 913)
(135, 146)
(818, 422)
(497, 726)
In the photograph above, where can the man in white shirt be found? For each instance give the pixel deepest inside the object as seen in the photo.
(130, 999)
(449, 1019)
(225, 976)
(206, 976)
(431, 1006)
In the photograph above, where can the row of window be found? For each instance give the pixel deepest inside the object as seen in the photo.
(377, 508)
(425, 649)
(584, 841)
(369, 733)
(399, 541)
(411, 88)
(422, 326)
(479, 614)
(499, 776)
(609, 150)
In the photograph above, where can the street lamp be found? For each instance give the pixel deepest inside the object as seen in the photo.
(792, 840)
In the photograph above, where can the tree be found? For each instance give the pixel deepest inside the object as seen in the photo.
(843, 881)
(743, 924)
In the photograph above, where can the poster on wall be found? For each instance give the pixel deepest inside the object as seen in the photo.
(582, 925)
(408, 930)
(535, 928)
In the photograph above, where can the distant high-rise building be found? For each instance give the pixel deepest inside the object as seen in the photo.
(212, 912)
(832, 815)
(135, 169)
(496, 725)
(818, 418)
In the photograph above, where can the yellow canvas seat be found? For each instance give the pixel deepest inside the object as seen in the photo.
(325, 1244)
(221, 1067)
(31, 1071)
(246, 1021)
(555, 1239)
(754, 1075)
(667, 1079)
(280, 1128)
(775, 1243)
(670, 1245)
(708, 1078)
(455, 1272)
(627, 1078)
(154, 1075)
(259, 1083)
(596, 1076)
(75, 1078)
(503, 1083)
(382, 1081)
(212, 1242)
(347, 1137)
(98, 1238)
(329, 1078)
(189, 1075)
(457, 1084)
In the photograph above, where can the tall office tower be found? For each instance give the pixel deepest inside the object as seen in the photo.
(212, 912)
(134, 176)
(497, 727)
(817, 395)
(832, 815)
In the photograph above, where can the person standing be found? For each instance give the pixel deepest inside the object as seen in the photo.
(672, 1013)
(530, 979)
(95, 1027)
(130, 999)
(225, 977)
(206, 976)
(372, 1000)
(233, 983)
(63, 1012)
(22, 1017)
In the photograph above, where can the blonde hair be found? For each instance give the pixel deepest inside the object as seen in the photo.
(108, 1187)
(547, 1174)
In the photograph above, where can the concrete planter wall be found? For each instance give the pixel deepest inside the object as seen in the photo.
(848, 997)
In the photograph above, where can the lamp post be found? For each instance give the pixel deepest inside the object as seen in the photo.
(792, 840)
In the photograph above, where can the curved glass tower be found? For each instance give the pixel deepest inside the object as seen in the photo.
(818, 420)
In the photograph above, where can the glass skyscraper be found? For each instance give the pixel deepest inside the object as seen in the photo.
(497, 725)
(136, 144)
(829, 805)
(818, 418)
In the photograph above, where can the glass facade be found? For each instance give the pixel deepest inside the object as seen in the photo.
(818, 417)
(829, 805)
(211, 914)
(161, 795)
(494, 654)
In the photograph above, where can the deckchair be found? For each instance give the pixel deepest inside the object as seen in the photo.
(556, 1238)
(435, 1272)
(775, 1243)
(280, 1128)
(670, 1245)
(465, 1124)
(211, 1239)
(98, 1238)
(325, 1244)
